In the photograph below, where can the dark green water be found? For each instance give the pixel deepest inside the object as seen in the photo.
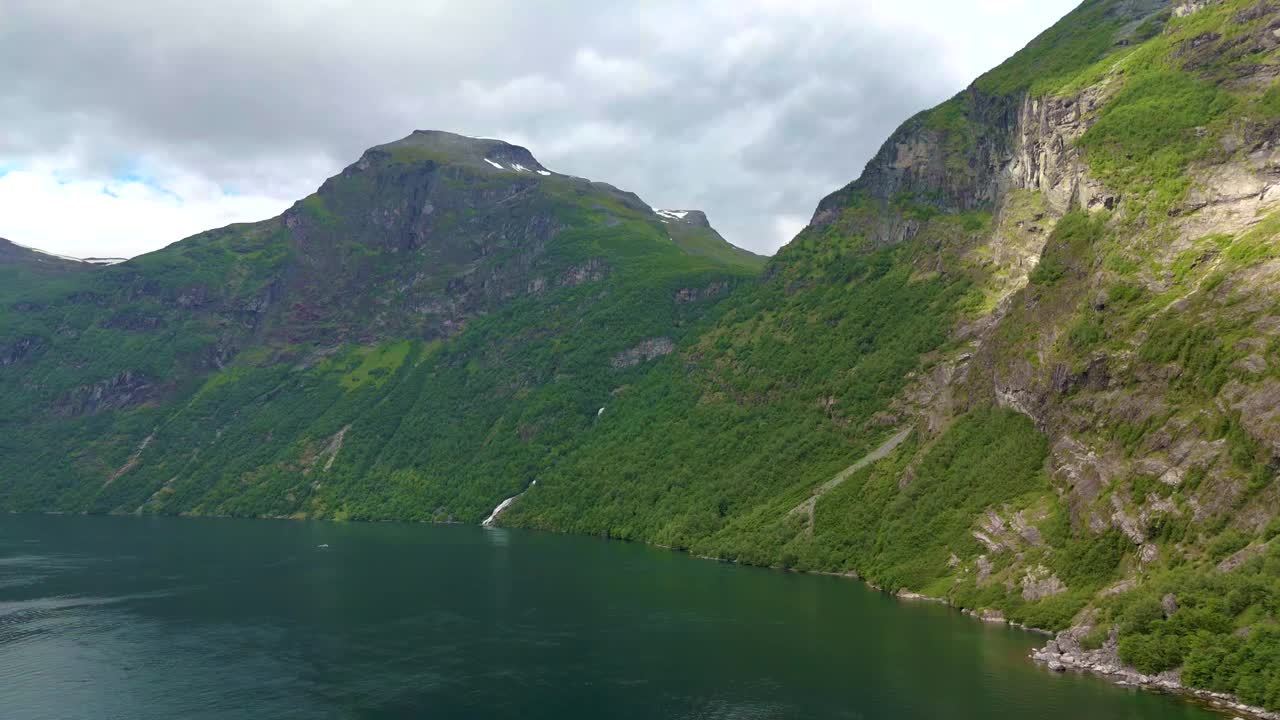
(175, 618)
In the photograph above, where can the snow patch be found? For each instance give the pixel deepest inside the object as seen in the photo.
(673, 214)
(544, 172)
(89, 261)
(519, 168)
(494, 164)
(49, 254)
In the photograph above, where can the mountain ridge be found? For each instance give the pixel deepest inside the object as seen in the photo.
(419, 244)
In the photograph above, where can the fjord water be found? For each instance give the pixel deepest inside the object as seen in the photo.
(108, 617)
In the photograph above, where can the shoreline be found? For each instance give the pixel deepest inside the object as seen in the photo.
(1101, 664)
(1060, 654)
(1063, 652)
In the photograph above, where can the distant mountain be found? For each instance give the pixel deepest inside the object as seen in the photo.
(413, 340)
(691, 230)
(23, 270)
(15, 255)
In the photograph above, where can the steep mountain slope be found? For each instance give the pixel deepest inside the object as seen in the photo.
(1062, 284)
(1027, 362)
(691, 230)
(23, 270)
(407, 342)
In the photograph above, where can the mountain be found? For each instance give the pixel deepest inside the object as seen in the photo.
(1026, 363)
(691, 230)
(24, 271)
(443, 303)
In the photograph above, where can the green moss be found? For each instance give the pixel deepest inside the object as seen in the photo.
(315, 205)
(1055, 56)
(1269, 103)
(372, 366)
(1198, 349)
(1257, 244)
(1096, 637)
(1145, 137)
(1069, 247)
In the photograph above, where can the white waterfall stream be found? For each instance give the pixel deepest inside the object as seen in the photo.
(493, 516)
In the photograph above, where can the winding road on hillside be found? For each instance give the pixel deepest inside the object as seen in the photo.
(809, 506)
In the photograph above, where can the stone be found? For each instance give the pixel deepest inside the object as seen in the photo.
(646, 350)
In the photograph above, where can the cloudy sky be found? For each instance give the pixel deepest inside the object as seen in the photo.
(131, 124)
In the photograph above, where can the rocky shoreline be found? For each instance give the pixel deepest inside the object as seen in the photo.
(1064, 652)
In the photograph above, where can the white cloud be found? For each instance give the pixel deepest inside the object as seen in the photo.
(786, 227)
(592, 137)
(88, 218)
(520, 94)
(750, 110)
(615, 76)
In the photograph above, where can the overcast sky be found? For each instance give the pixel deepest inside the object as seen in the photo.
(131, 124)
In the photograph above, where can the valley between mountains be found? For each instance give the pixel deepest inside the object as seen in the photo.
(1047, 313)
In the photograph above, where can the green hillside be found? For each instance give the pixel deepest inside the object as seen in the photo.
(412, 341)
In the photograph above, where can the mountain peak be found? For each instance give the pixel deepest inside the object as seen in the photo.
(692, 231)
(688, 217)
(441, 146)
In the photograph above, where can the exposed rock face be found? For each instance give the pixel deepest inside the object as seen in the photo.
(432, 214)
(123, 390)
(645, 351)
(1039, 583)
(1189, 7)
(1241, 556)
(1046, 157)
(1020, 142)
(591, 271)
(915, 160)
(686, 295)
(14, 352)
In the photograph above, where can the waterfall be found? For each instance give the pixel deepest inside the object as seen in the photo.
(493, 516)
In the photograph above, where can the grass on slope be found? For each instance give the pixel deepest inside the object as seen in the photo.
(706, 242)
